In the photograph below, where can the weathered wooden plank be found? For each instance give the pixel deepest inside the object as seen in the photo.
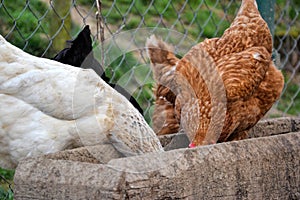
(256, 168)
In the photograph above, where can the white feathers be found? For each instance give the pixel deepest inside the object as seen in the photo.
(255, 3)
(256, 56)
(47, 106)
(170, 72)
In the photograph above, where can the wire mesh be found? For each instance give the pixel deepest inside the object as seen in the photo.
(42, 27)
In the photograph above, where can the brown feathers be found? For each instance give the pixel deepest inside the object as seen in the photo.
(222, 86)
(164, 118)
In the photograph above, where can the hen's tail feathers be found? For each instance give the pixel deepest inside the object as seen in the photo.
(78, 49)
(79, 54)
(158, 51)
(162, 58)
(163, 63)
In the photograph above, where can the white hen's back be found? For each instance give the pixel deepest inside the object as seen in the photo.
(49, 106)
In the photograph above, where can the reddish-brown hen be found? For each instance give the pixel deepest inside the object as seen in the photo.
(190, 92)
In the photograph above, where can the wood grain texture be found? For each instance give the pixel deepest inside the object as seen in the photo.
(257, 168)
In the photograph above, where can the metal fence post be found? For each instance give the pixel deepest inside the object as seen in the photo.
(266, 9)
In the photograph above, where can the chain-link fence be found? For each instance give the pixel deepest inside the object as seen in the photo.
(41, 27)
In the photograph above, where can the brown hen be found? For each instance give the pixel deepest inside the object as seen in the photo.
(222, 87)
(164, 119)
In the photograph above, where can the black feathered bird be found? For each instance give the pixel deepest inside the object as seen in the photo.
(80, 54)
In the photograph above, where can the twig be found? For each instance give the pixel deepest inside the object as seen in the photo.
(100, 29)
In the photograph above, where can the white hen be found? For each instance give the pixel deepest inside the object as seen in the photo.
(47, 106)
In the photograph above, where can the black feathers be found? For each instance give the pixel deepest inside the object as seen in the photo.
(80, 54)
(78, 49)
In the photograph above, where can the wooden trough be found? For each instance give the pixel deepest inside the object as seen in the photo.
(265, 166)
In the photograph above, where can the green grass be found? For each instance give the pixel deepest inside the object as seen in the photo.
(293, 15)
(206, 22)
(29, 32)
(5, 190)
(290, 100)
